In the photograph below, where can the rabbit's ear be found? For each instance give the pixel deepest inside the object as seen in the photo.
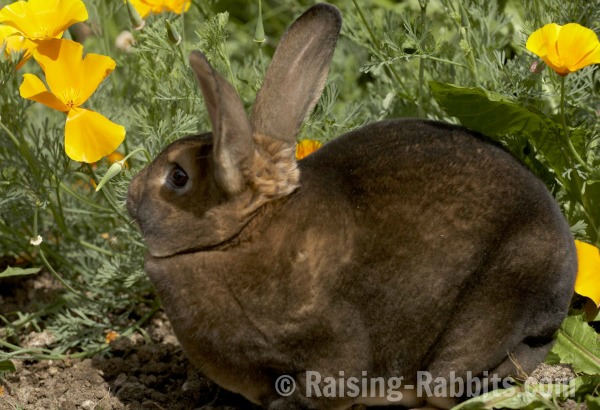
(295, 79)
(233, 146)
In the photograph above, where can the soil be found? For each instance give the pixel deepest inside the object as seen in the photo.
(136, 373)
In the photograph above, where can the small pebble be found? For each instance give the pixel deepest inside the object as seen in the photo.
(88, 405)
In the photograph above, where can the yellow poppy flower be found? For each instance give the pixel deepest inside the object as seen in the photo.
(145, 7)
(565, 49)
(71, 80)
(43, 19)
(588, 274)
(111, 336)
(11, 40)
(39, 20)
(13, 43)
(116, 157)
(306, 147)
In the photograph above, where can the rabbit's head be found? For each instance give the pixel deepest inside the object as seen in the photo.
(202, 190)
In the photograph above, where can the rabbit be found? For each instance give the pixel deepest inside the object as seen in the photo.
(402, 247)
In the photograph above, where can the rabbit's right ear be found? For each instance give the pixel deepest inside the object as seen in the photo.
(297, 74)
(233, 146)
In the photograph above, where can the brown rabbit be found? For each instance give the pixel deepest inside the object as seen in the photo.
(402, 247)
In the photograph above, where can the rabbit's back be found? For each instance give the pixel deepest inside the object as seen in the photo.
(451, 234)
(428, 181)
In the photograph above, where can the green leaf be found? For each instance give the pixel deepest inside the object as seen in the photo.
(578, 344)
(487, 112)
(592, 193)
(593, 403)
(6, 366)
(585, 385)
(494, 115)
(495, 398)
(10, 271)
(531, 396)
(518, 397)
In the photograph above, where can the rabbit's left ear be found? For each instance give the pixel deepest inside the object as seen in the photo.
(295, 79)
(233, 146)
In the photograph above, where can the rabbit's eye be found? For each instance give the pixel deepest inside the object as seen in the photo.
(177, 177)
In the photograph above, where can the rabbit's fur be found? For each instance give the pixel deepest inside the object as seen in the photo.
(402, 246)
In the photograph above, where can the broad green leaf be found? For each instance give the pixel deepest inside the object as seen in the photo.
(593, 403)
(487, 112)
(6, 366)
(530, 397)
(592, 193)
(495, 398)
(578, 344)
(518, 397)
(585, 385)
(494, 115)
(10, 271)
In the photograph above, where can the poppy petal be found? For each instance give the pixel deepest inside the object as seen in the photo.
(178, 6)
(61, 61)
(10, 38)
(96, 68)
(142, 8)
(578, 46)
(65, 13)
(15, 15)
(90, 136)
(306, 147)
(145, 7)
(588, 274)
(13, 42)
(34, 89)
(541, 41)
(43, 19)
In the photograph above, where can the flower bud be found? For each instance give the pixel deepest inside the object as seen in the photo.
(136, 20)
(259, 32)
(114, 169)
(464, 17)
(172, 34)
(537, 67)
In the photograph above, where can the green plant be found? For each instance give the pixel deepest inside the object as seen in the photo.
(459, 61)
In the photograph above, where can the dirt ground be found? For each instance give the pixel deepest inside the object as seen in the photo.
(134, 374)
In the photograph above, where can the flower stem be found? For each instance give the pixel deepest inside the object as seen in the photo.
(59, 278)
(423, 6)
(83, 199)
(575, 155)
(576, 158)
(105, 35)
